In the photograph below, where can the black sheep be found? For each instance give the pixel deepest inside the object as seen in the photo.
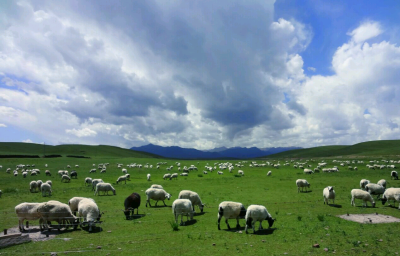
(74, 174)
(131, 203)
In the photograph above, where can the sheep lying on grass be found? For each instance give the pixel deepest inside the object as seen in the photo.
(363, 195)
(329, 194)
(230, 210)
(257, 213)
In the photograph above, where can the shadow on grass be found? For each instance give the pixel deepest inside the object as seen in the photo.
(309, 191)
(234, 229)
(136, 216)
(94, 229)
(335, 205)
(199, 213)
(263, 232)
(159, 206)
(189, 223)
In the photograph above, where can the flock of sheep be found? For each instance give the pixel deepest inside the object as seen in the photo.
(84, 211)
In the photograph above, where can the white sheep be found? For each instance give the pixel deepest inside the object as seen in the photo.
(182, 207)
(88, 209)
(391, 194)
(1, 192)
(193, 197)
(382, 182)
(48, 173)
(256, 213)
(92, 171)
(74, 202)
(39, 183)
(308, 171)
(125, 171)
(174, 175)
(363, 195)
(56, 211)
(105, 187)
(61, 173)
(269, 173)
(363, 183)
(26, 211)
(329, 194)
(33, 186)
(375, 189)
(394, 175)
(184, 174)
(121, 179)
(95, 182)
(302, 183)
(167, 176)
(205, 172)
(148, 176)
(220, 173)
(157, 195)
(88, 180)
(230, 210)
(49, 182)
(156, 186)
(240, 172)
(46, 189)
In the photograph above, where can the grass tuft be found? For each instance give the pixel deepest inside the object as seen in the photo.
(200, 175)
(321, 217)
(174, 225)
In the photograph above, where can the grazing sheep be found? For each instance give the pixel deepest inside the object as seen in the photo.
(39, 183)
(363, 183)
(382, 182)
(103, 171)
(193, 197)
(231, 210)
(105, 187)
(57, 211)
(167, 176)
(46, 189)
(33, 173)
(1, 192)
(302, 183)
(88, 209)
(182, 207)
(148, 176)
(256, 213)
(156, 186)
(23, 174)
(157, 195)
(205, 172)
(49, 182)
(74, 202)
(125, 171)
(184, 174)
(61, 173)
(92, 171)
(33, 186)
(374, 189)
(26, 211)
(74, 174)
(394, 175)
(363, 195)
(220, 173)
(88, 180)
(269, 173)
(174, 175)
(65, 178)
(308, 171)
(131, 203)
(121, 179)
(329, 193)
(240, 172)
(95, 182)
(47, 172)
(391, 194)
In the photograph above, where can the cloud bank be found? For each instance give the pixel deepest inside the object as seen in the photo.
(193, 74)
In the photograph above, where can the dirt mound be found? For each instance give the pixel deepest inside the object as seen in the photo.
(369, 218)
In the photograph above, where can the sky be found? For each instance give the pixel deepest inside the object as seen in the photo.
(200, 74)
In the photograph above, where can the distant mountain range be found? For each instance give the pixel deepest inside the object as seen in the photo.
(216, 153)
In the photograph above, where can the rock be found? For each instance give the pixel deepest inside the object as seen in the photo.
(109, 231)
(98, 247)
(240, 232)
(326, 249)
(263, 241)
(315, 245)
(53, 253)
(380, 240)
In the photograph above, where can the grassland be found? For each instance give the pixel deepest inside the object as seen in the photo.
(382, 148)
(302, 218)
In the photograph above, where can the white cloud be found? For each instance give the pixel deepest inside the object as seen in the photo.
(27, 141)
(311, 69)
(3, 125)
(365, 31)
(85, 132)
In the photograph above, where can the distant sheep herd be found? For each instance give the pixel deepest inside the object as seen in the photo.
(85, 212)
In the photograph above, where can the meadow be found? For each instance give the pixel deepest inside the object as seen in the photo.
(302, 219)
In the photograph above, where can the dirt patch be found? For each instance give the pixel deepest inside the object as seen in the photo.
(369, 218)
(35, 234)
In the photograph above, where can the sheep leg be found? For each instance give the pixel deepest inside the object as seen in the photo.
(21, 225)
(226, 221)
(260, 227)
(164, 203)
(219, 220)
(156, 202)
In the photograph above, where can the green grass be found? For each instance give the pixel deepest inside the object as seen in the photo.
(382, 148)
(302, 219)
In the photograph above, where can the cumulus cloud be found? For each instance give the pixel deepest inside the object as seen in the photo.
(195, 75)
(3, 125)
(27, 141)
(311, 69)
